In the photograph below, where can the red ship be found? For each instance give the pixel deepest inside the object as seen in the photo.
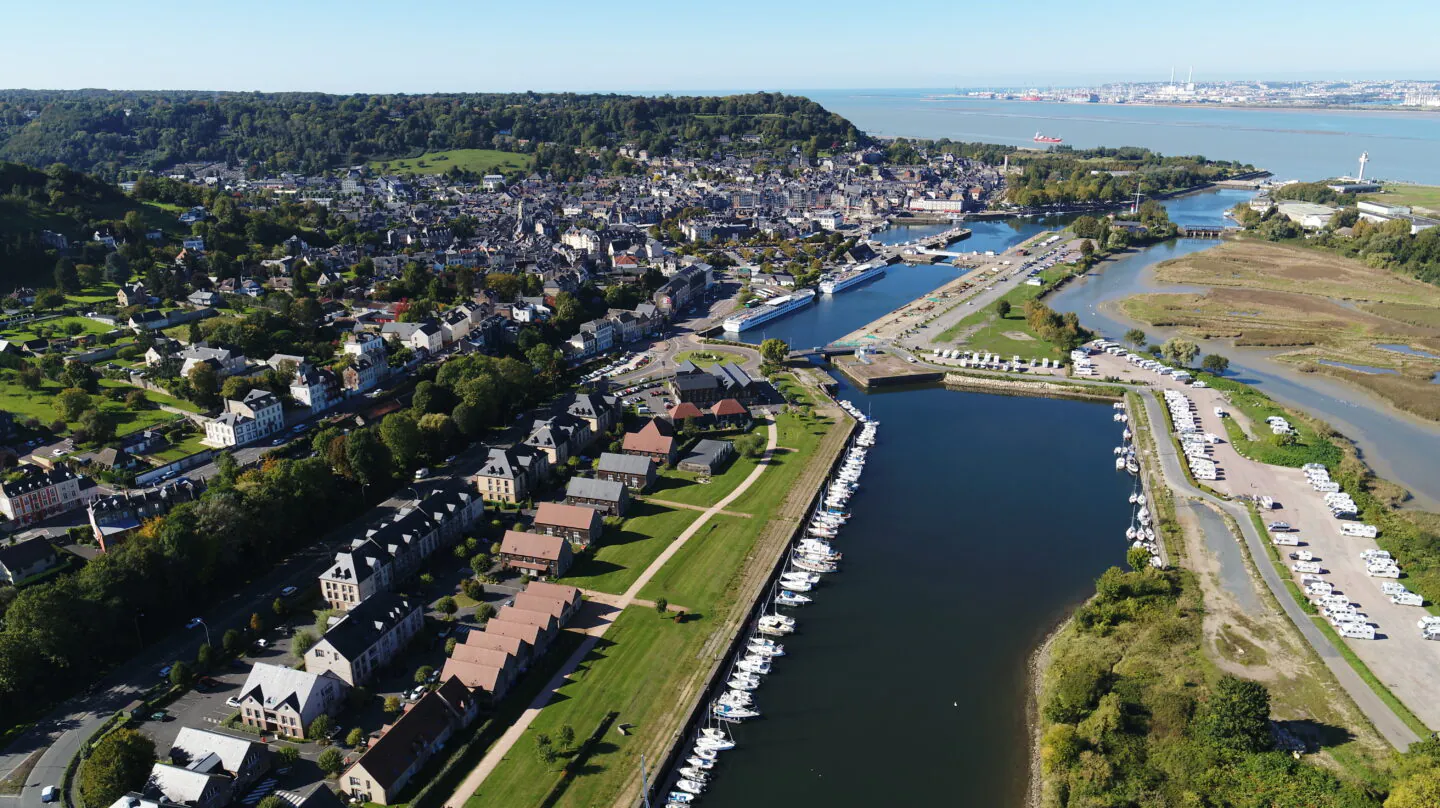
(1039, 138)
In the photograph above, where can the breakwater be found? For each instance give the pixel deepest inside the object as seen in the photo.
(1027, 387)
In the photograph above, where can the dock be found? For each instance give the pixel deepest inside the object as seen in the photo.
(883, 370)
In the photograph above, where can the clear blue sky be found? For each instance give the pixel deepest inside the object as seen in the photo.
(679, 45)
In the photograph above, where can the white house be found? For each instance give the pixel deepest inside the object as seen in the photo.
(316, 388)
(365, 344)
(250, 419)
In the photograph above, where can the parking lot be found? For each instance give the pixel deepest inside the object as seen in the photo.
(1405, 662)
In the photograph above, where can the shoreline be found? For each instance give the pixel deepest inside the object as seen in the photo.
(1038, 663)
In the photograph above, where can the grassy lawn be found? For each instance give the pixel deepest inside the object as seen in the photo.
(626, 672)
(681, 486)
(625, 553)
(1309, 446)
(479, 161)
(59, 327)
(642, 664)
(104, 293)
(706, 359)
(994, 331)
(191, 445)
(1425, 196)
(40, 404)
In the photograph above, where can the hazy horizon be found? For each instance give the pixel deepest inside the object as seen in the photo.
(647, 46)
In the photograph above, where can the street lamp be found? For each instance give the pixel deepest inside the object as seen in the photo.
(195, 621)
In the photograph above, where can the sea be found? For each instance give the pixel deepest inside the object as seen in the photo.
(1297, 144)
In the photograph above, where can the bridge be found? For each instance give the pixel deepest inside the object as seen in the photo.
(1205, 230)
(823, 351)
(928, 243)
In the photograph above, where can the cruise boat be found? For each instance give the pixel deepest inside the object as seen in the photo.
(769, 310)
(833, 282)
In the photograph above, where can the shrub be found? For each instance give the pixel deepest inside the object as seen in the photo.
(331, 761)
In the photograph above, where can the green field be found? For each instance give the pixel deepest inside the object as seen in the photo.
(706, 359)
(991, 332)
(625, 553)
(643, 662)
(478, 161)
(60, 328)
(1424, 196)
(40, 404)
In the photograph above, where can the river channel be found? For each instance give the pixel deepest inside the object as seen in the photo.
(981, 521)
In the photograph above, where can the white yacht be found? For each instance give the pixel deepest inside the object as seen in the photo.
(691, 786)
(754, 665)
(788, 598)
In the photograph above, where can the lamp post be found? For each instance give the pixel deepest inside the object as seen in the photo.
(195, 621)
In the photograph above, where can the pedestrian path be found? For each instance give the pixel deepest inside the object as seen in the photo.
(507, 741)
(688, 507)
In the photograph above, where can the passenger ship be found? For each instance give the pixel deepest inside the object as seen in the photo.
(840, 281)
(769, 310)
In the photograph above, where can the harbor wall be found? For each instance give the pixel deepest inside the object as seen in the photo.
(1019, 387)
(772, 551)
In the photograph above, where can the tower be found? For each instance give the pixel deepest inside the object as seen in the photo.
(1190, 81)
(1364, 158)
(519, 217)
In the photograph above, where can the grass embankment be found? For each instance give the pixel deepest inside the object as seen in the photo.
(644, 663)
(477, 161)
(988, 332)
(625, 552)
(1133, 712)
(1328, 309)
(58, 328)
(1312, 442)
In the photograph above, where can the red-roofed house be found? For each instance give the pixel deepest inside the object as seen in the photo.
(577, 523)
(654, 441)
(730, 414)
(535, 553)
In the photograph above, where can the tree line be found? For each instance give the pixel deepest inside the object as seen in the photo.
(108, 132)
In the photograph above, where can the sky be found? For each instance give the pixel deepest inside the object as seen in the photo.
(422, 46)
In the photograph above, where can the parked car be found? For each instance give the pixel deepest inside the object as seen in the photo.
(165, 671)
(288, 591)
(50, 794)
(233, 701)
(422, 473)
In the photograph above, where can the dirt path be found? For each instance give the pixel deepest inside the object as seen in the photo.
(688, 507)
(508, 740)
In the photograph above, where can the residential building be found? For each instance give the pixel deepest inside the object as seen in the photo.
(543, 621)
(364, 373)
(132, 294)
(565, 593)
(257, 415)
(366, 638)
(509, 475)
(208, 768)
(704, 388)
(606, 496)
(635, 471)
(404, 747)
(39, 493)
(204, 299)
(283, 700)
(655, 440)
(516, 648)
(727, 413)
(683, 288)
(707, 457)
(113, 517)
(599, 411)
(535, 553)
(227, 362)
(576, 524)
(482, 669)
(193, 788)
(316, 388)
(364, 344)
(528, 633)
(559, 437)
(26, 559)
(359, 572)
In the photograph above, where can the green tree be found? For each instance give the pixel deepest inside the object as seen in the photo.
(117, 268)
(749, 445)
(1002, 308)
(95, 426)
(181, 674)
(232, 642)
(355, 738)
(66, 278)
(392, 705)
(1135, 337)
(302, 642)
(367, 456)
(205, 657)
(1421, 790)
(136, 400)
(401, 435)
(484, 611)
(775, 350)
(450, 644)
(47, 299)
(422, 673)
(278, 607)
(289, 755)
(544, 751)
(1087, 248)
(331, 761)
(1215, 363)
(205, 382)
(1238, 715)
(447, 605)
(661, 606)
(119, 763)
(71, 402)
(566, 737)
(272, 801)
(1138, 558)
(320, 728)
(1179, 351)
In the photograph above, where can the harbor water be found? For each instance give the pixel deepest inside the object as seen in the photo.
(1294, 144)
(975, 530)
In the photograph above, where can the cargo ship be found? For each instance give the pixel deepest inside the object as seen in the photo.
(1039, 138)
(833, 282)
(769, 310)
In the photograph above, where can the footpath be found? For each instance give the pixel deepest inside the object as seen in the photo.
(507, 741)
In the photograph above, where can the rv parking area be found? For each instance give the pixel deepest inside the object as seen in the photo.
(1398, 656)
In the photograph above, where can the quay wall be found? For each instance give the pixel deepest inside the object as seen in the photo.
(771, 549)
(1026, 387)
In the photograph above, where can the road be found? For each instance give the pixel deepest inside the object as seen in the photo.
(1377, 711)
(496, 753)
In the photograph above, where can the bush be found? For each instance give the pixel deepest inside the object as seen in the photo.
(320, 728)
(302, 642)
(289, 755)
(119, 763)
(355, 738)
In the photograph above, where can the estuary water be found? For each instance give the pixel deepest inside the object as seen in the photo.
(1294, 144)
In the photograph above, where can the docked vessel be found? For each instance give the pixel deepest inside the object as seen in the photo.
(833, 282)
(769, 310)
